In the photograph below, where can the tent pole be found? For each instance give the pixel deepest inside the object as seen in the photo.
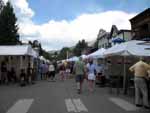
(125, 77)
(20, 62)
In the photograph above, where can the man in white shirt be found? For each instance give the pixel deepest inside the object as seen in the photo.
(51, 71)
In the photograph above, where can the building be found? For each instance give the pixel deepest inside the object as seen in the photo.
(119, 36)
(140, 25)
(102, 39)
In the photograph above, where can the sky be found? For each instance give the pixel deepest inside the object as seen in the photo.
(62, 23)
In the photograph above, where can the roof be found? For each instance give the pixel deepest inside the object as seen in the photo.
(114, 28)
(130, 48)
(145, 12)
(123, 30)
(104, 35)
(15, 50)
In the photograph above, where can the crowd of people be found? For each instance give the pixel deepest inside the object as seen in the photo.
(141, 76)
(83, 70)
(9, 75)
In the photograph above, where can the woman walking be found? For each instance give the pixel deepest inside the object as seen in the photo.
(62, 72)
(91, 71)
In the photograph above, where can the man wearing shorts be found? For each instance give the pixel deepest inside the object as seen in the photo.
(79, 72)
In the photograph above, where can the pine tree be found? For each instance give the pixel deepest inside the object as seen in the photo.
(1, 5)
(8, 27)
(80, 46)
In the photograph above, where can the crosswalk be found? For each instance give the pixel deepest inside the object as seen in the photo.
(124, 104)
(72, 105)
(21, 106)
(75, 105)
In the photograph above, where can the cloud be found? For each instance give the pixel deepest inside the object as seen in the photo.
(22, 9)
(57, 34)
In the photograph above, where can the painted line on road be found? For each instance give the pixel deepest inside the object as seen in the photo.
(70, 106)
(79, 105)
(21, 106)
(124, 104)
(75, 105)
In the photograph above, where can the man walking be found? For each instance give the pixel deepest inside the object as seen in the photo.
(140, 70)
(79, 72)
(51, 71)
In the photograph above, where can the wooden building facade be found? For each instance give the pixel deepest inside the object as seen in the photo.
(140, 25)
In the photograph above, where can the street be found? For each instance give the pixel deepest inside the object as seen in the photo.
(62, 97)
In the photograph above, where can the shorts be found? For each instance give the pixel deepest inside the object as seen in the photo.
(68, 70)
(79, 78)
(62, 72)
(91, 76)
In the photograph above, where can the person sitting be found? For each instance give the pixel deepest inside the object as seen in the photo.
(29, 74)
(22, 78)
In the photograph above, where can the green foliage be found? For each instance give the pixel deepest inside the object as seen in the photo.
(8, 27)
(63, 53)
(80, 46)
(42, 52)
(46, 54)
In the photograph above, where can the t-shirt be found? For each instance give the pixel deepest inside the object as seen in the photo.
(79, 68)
(51, 68)
(91, 68)
(140, 69)
(62, 67)
(99, 68)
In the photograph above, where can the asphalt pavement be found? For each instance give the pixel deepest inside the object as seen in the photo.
(62, 97)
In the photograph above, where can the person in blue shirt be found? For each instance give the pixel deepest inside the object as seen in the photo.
(91, 71)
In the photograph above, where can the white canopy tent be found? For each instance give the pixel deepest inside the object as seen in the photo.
(97, 54)
(134, 47)
(75, 58)
(63, 61)
(42, 58)
(17, 50)
(130, 48)
(18, 56)
(84, 56)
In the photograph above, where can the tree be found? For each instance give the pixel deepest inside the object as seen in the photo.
(63, 53)
(8, 27)
(80, 46)
(1, 5)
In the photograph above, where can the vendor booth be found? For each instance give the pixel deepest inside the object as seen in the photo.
(120, 57)
(18, 57)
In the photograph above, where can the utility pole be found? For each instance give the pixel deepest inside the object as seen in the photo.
(67, 54)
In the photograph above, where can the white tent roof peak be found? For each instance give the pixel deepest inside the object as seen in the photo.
(133, 47)
(97, 54)
(17, 50)
(74, 58)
